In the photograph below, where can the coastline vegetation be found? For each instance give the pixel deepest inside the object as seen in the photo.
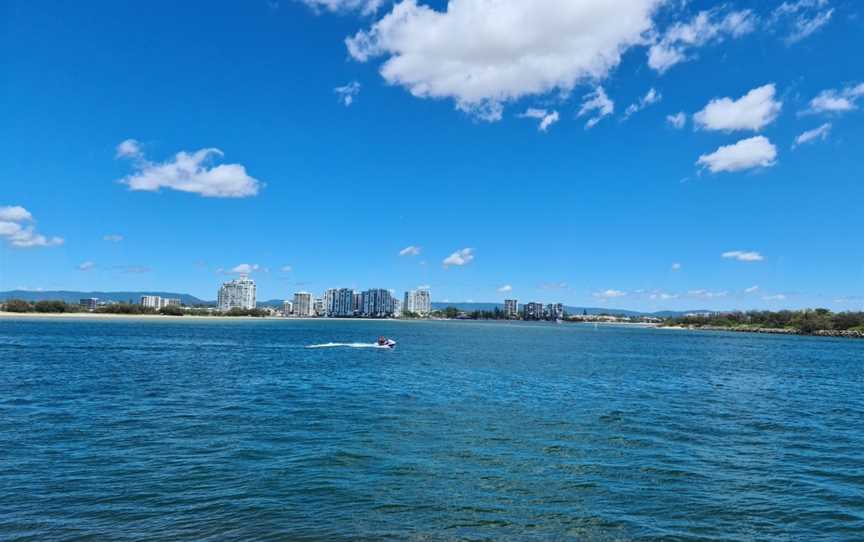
(808, 321)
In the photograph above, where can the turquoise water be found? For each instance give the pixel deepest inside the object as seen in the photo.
(231, 430)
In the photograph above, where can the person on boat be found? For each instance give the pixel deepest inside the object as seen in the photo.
(384, 341)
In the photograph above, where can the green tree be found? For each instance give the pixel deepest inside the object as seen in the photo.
(171, 310)
(18, 305)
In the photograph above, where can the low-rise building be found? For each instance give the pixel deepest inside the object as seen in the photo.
(89, 303)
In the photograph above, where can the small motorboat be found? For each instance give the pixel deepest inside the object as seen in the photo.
(388, 343)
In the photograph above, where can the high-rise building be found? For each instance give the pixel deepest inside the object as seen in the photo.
(169, 301)
(342, 303)
(511, 308)
(357, 304)
(397, 308)
(287, 308)
(532, 311)
(377, 303)
(89, 303)
(303, 304)
(418, 302)
(318, 307)
(151, 302)
(237, 294)
(554, 311)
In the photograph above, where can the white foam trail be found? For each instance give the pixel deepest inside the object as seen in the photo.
(348, 345)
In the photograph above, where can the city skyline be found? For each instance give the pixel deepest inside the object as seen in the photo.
(665, 172)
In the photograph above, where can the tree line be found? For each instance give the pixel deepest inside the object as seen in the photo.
(806, 321)
(59, 307)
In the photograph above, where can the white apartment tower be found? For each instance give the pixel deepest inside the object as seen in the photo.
(237, 294)
(418, 302)
(511, 308)
(303, 304)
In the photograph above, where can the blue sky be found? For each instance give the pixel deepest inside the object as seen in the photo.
(440, 148)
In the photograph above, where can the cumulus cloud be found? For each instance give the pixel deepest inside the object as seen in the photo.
(21, 235)
(837, 101)
(803, 18)
(711, 26)
(743, 256)
(410, 250)
(652, 97)
(676, 266)
(598, 104)
(483, 54)
(813, 135)
(678, 120)
(755, 152)
(753, 111)
(347, 93)
(504, 289)
(15, 213)
(460, 257)
(609, 294)
(129, 148)
(547, 118)
(188, 172)
(86, 266)
(113, 238)
(245, 268)
(342, 6)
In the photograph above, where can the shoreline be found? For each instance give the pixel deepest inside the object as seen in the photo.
(844, 334)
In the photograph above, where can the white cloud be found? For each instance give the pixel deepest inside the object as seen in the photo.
(609, 294)
(410, 251)
(190, 173)
(554, 286)
(15, 213)
(753, 111)
(751, 290)
(347, 93)
(754, 152)
(245, 268)
(706, 294)
(837, 101)
(20, 236)
(460, 257)
(814, 134)
(678, 120)
(775, 297)
(504, 289)
(114, 238)
(705, 28)
(341, 6)
(424, 287)
(803, 18)
(652, 97)
(129, 148)
(663, 296)
(286, 269)
(86, 266)
(547, 118)
(599, 104)
(676, 266)
(483, 54)
(743, 256)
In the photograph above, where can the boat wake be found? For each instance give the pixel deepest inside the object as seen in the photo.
(349, 345)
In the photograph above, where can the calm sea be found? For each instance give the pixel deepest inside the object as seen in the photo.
(233, 430)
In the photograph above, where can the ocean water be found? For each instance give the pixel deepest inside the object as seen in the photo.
(233, 430)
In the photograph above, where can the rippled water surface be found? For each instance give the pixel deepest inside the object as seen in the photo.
(232, 430)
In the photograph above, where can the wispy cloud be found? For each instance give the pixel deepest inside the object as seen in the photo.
(410, 251)
(546, 118)
(245, 268)
(815, 134)
(113, 238)
(802, 18)
(652, 97)
(86, 266)
(676, 266)
(347, 93)
(836, 101)
(596, 105)
(743, 256)
(678, 120)
(506, 288)
(609, 294)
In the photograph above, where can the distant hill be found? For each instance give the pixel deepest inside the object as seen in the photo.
(74, 297)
